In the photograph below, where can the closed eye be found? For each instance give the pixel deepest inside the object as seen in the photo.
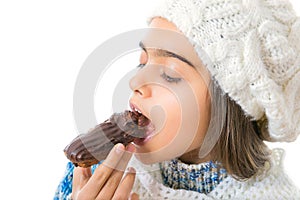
(169, 78)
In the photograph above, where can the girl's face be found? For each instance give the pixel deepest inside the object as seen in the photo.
(171, 90)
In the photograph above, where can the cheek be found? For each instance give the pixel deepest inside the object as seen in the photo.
(204, 106)
(172, 111)
(175, 130)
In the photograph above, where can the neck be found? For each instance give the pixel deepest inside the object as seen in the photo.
(192, 157)
(203, 177)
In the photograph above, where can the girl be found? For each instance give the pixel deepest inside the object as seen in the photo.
(216, 79)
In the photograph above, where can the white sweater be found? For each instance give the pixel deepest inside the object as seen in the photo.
(270, 183)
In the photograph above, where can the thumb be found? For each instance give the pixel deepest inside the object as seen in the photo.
(134, 196)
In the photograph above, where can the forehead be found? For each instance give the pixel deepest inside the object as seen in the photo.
(164, 35)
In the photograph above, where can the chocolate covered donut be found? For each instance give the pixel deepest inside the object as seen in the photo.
(92, 147)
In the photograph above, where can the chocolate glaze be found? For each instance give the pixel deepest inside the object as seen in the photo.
(92, 147)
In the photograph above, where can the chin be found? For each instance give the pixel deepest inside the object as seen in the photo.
(145, 160)
(153, 157)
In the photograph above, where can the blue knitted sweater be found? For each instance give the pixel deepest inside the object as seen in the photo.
(202, 177)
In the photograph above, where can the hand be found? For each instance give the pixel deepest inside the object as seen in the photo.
(106, 182)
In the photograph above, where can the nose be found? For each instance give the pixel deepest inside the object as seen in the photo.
(139, 86)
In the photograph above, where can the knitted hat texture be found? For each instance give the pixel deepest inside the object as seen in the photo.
(252, 49)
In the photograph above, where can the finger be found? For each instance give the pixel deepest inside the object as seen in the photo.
(112, 183)
(125, 187)
(123, 162)
(80, 178)
(134, 196)
(103, 172)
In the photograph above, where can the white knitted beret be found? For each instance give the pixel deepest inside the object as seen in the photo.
(252, 49)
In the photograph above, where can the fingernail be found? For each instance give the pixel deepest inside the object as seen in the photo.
(134, 196)
(119, 148)
(130, 148)
(131, 170)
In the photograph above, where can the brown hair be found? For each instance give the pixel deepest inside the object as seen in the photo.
(240, 147)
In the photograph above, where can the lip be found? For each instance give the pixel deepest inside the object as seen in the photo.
(141, 142)
(151, 128)
(150, 134)
(135, 108)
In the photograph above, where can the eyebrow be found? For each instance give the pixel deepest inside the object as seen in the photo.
(166, 53)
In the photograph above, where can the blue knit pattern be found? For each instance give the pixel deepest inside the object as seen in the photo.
(64, 188)
(202, 178)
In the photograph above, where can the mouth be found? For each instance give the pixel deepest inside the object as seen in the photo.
(150, 128)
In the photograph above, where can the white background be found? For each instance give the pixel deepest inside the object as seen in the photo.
(42, 47)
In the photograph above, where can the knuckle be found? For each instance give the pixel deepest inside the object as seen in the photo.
(101, 173)
(111, 185)
(102, 197)
(119, 197)
(115, 179)
(79, 196)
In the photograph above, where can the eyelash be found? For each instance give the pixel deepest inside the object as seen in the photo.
(169, 78)
(141, 65)
(164, 76)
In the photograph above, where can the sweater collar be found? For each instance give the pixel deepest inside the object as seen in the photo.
(202, 177)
